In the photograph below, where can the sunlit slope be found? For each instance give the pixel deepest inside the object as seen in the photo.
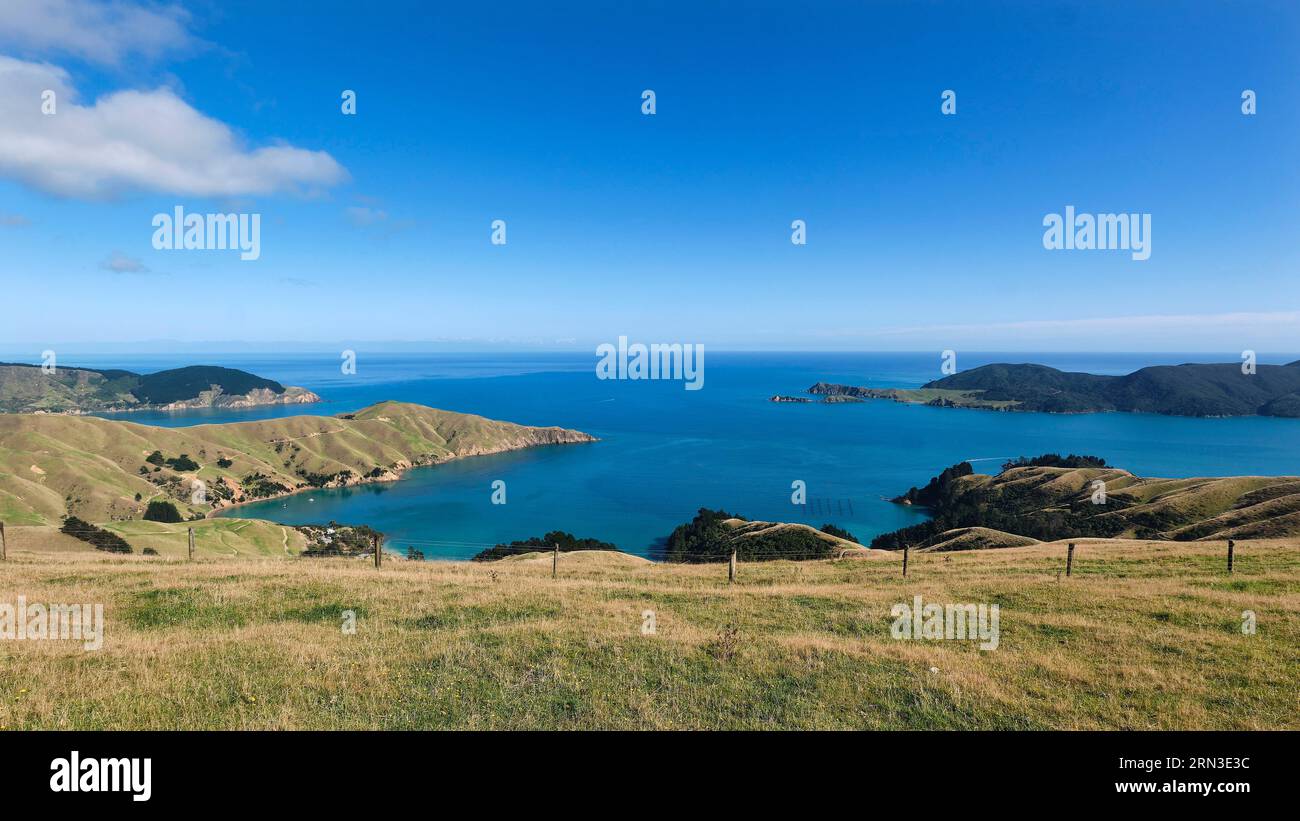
(1239, 507)
(94, 468)
(213, 538)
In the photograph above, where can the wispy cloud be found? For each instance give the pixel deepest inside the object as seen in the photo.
(364, 216)
(13, 220)
(136, 140)
(120, 263)
(105, 32)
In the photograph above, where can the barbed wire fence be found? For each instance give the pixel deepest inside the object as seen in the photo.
(463, 547)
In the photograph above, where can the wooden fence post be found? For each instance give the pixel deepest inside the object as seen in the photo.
(731, 567)
(379, 551)
(555, 562)
(1231, 545)
(191, 544)
(906, 548)
(1069, 559)
(4, 551)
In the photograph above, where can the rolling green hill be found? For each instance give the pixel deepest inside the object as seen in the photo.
(104, 470)
(30, 389)
(1049, 503)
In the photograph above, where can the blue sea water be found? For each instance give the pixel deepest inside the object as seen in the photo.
(664, 451)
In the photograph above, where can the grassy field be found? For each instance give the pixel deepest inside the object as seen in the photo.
(213, 538)
(1144, 635)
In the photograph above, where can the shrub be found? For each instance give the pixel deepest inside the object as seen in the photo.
(162, 511)
(566, 541)
(183, 463)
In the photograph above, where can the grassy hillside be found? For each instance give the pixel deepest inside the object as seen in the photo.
(213, 538)
(1143, 636)
(94, 468)
(1057, 503)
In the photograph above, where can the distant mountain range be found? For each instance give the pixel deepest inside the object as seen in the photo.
(1175, 390)
(32, 389)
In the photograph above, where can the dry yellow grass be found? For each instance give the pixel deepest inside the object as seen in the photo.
(1144, 635)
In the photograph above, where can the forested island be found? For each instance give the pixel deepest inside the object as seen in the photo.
(1225, 389)
(37, 389)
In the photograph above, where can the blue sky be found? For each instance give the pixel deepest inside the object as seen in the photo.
(924, 230)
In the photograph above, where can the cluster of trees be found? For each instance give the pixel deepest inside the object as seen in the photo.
(162, 511)
(259, 485)
(937, 490)
(566, 541)
(97, 536)
(181, 463)
(707, 539)
(1011, 507)
(1055, 460)
(323, 479)
(838, 532)
(703, 539)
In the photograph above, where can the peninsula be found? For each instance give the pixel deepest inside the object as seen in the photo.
(103, 470)
(35, 389)
(1172, 390)
(1051, 497)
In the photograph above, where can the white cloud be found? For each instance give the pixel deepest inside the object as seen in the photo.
(99, 31)
(136, 140)
(120, 263)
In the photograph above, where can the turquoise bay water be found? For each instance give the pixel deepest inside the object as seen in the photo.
(665, 451)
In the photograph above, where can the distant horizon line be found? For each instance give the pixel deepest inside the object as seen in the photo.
(9, 352)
